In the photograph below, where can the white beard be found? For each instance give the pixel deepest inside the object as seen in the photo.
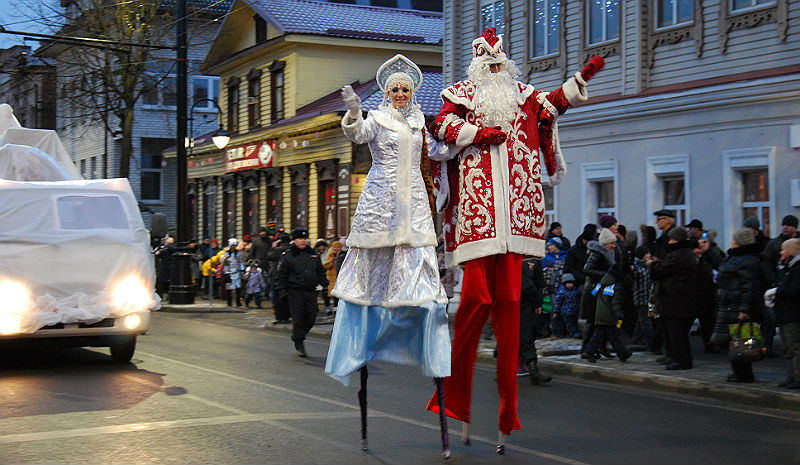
(496, 96)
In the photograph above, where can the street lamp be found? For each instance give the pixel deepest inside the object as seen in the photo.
(220, 137)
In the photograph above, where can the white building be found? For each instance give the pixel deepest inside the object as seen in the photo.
(697, 108)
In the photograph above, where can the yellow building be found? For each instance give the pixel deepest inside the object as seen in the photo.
(281, 64)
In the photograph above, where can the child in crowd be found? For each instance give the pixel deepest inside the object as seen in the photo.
(255, 284)
(566, 308)
(608, 317)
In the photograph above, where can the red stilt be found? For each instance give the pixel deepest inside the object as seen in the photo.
(362, 401)
(442, 418)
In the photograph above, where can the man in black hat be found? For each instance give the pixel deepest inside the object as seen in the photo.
(299, 273)
(665, 221)
(773, 249)
(695, 228)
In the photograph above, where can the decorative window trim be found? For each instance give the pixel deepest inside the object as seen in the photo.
(729, 21)
(545, 63)
(596, 172)
(660, 167)
(733, 163)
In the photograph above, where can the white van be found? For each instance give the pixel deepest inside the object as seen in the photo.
(76, 267)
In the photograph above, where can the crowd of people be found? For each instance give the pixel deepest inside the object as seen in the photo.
(658, 290)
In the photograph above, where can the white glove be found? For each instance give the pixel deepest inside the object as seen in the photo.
(351, 100)
(769, 297)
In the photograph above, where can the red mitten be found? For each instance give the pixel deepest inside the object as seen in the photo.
(595, 64)
(491, 136)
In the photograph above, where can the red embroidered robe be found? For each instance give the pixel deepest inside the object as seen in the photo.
(492, 194)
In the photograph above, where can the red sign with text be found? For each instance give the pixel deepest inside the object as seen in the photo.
(250, 156)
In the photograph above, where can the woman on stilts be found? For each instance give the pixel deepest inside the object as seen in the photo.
(392, 306)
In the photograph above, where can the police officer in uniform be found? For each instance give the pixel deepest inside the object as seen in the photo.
(299, 273)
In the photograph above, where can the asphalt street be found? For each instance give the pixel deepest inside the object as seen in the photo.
(206, 388)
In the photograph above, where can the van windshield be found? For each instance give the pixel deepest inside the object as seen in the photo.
(91, 212)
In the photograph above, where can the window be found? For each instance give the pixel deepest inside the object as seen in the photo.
(672, 12)
(205, 87)
(229, 215)
(91, 212)
(493, 15)
(254, 99)
(93, 168)
(169, 93)
(604, 196)
(599, 190)
(546, 25)
(742, 4)
(748, 188)
(261, 29)
(549, 193)
(152, 166)
(604, 20)
(274, 204)
(233, 105)
(250, 205)
(675, 197)
(277, 90)
(83, 168)
(755, 197)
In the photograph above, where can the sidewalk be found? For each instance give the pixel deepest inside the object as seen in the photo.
(561, 357)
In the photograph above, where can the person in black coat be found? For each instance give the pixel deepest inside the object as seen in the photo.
(299, 273)
(676, 276)
(279, 303)
(601, 257)
(530, 306)
(787, 309)
(578, 254)
(556, 230)
(739, 296)
(705, 304)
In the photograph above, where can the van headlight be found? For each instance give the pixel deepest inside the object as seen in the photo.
(17, 300)
(131, 294)
(132, 321)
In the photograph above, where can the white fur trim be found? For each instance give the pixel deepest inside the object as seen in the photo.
(440, 151)
(575, 90)
(390, 239)
(449, 95)
(518, 244)
(466, 136)
(542, 100)
(561, 164)
(525, 93)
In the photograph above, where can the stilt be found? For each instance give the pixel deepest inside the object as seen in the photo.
(362, 401)
(502, 439)
(442, 418)
(465, 434)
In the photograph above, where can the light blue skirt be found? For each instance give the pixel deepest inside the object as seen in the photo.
(414, 335)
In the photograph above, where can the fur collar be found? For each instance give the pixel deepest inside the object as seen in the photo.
(744, 250)
(596, 247)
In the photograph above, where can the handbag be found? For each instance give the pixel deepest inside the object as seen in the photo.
(747, 345)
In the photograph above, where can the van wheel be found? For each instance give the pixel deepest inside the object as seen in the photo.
(122, 348)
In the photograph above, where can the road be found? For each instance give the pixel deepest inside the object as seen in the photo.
(203, 389)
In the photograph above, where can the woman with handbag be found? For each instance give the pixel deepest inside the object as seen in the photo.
(787, 310)
(739, 296)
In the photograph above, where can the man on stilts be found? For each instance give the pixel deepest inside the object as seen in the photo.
(489, 187)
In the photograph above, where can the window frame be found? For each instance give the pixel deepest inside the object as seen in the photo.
(479, 26)
(736, 162)
(675, 23)
(532, 24)
(277, 91)
(592, 173)
(233, 98)
(254, 99)
(659, 169)
(588, 26)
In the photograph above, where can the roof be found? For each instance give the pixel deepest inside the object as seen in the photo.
(371, 96)
(200, 7)
(352, 21)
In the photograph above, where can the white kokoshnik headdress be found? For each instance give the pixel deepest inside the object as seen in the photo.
(398, 69)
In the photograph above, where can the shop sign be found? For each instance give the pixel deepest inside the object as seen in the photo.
(250, 156)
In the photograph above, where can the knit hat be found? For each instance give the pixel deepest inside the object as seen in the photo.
(556, 241)
(554, 225)
(744, 236)
(606, 221)
(589, 231)
(678, 234)
(232, 241)
(792, 247)
(567, 278)
(752, 222)
(789, 220)
(642, 250)
(606, 237)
